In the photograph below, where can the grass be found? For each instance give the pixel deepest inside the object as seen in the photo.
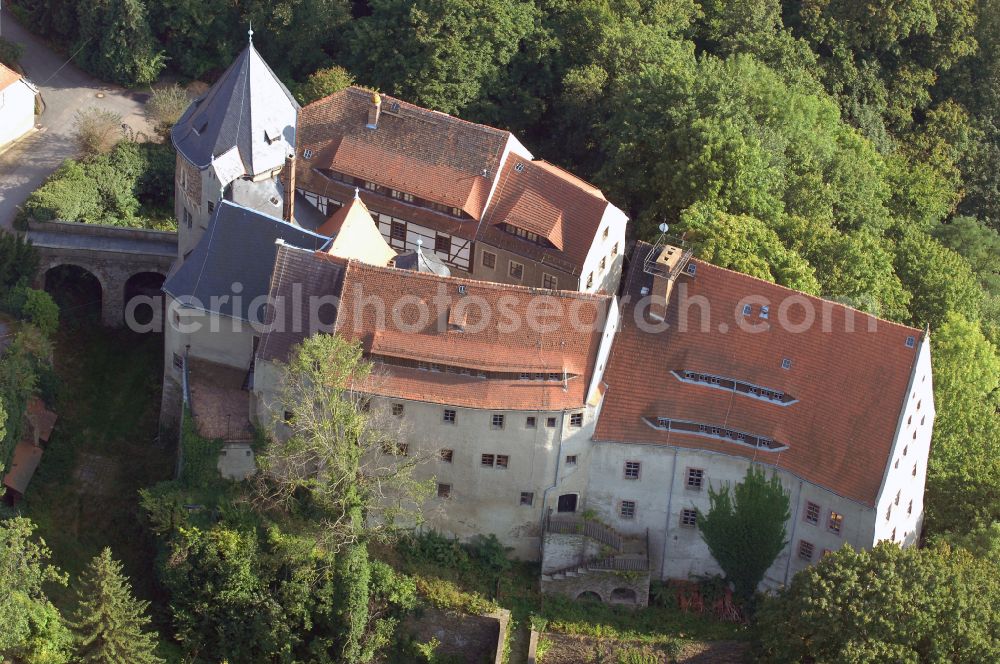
(108, 407)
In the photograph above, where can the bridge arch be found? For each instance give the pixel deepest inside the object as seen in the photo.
(77, 289)
(148, 285)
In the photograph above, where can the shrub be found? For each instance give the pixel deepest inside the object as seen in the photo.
(165, 107)
(35, 306)
(97, 131)
(10, 52)
(323, 82)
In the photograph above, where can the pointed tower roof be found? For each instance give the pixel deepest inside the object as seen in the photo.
(249, 109)
(355, 235)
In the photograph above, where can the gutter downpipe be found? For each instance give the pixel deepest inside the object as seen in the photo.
(545, 494)
(666, 526)
(791, 539)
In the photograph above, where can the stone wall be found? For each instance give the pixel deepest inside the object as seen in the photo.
(626, 588)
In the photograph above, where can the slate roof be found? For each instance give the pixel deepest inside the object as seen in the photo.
(248, 107)
(849, 387)
(238, 247)
(432, 155)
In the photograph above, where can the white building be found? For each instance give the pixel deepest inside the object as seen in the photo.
(17, 105)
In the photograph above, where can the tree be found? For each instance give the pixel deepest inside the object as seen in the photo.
(323, 82)
(346, 463)
(165, 107)
(886, 604)
(744, 528)
(97, 131)
(437, 53)
(109, 622)
(963, 474)
(33, 631)
(116, 42)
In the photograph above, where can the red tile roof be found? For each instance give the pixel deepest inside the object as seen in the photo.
(850, 386)
(550, 202)
(8, 77)
(426, 153)
(41, 418)
(487, 343)
(27, 456)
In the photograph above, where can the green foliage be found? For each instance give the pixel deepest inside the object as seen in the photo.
(438, 53)
(10, 52)
(744, 528)
(116, 42)
(165, 107)
(97, 131)
(107, 189)
(27, 356)
(35, 306)
(887, 604)
(963, 473)
(18, 260)
(33, 631)
(109, 622)
(323, 82)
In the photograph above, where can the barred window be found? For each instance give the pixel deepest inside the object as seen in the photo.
(689, 518)
(695, 478)
(812, 513)
(449, 416)
(806, 550)
(632, 470)
(627, 509)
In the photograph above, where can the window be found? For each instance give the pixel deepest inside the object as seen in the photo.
(604, 235)
(893, 534)
(489, 259)
(397, 409)
(627, 509)
(487, 460)
(371, 186)
(806, 550)
(530, 422)
(444, 490)
(178, 361)
(914, 470)
(497, 421)
(516, 270)
(765, 311)
(689, 518)
(398, 231)
(288, 416)
(632, 470)
(307, 153)
(590, 280)
(910, 342)
(614, 250)
(187, 218)
(449, 416)
(211, 207)
(550, 282)
(909, 509)
(447, 455)
(571, 460)
(528, 498)
(812, 513)
(888, 513)
(695, 478)
(835, 523)
(442, 244)
(503, 461)
(576, 420)
(401, 195)
(897, 496)
(550, 422)
(786, 363)
(906, 448)
(603, 264)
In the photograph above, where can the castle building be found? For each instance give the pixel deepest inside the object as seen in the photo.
(580, 415)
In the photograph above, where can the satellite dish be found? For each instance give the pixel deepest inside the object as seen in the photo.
(664, 228)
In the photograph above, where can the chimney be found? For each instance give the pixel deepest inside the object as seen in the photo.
(374, 110)
(288, 181)
(665, 270)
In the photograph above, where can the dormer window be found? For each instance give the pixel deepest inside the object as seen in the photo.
(765, 311)
(271, 135)
(307, 153)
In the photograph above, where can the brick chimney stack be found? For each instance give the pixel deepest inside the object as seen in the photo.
(668, 265)
(374, 111)
(288, 180)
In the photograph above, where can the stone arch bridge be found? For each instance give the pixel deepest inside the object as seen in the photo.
(124, 261)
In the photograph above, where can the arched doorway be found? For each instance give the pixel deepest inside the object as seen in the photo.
(149, 309)
(589, 596)
(623, 596)
(77, 291)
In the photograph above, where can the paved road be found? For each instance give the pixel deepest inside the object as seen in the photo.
(24, 166)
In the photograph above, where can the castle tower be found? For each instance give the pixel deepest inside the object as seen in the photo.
(232, 143)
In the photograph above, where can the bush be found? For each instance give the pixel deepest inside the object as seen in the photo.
(35, 306)
(10, 52)
(165, 107)
(97, 131)
(323, 82)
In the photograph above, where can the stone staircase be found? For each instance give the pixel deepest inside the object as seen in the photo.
(598, 559)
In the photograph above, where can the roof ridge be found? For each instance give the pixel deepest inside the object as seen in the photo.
(356, 89)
